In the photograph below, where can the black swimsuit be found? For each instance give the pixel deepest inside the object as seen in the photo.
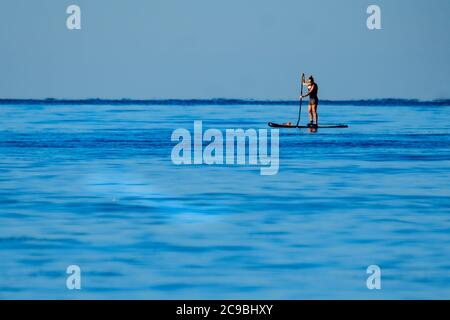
(313, 98)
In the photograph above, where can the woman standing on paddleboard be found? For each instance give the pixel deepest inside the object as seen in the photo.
(313, 101)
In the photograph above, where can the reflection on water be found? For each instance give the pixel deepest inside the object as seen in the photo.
(95, 186)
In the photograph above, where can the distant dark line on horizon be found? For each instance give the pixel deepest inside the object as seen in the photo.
(221, 101)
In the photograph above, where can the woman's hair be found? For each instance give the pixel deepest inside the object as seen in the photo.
(311, 78)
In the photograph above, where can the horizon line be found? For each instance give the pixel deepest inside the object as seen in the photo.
(223, 101)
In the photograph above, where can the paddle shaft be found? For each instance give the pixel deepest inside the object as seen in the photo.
(301, 99)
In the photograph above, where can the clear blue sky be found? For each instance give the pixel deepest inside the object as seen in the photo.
(224, 48)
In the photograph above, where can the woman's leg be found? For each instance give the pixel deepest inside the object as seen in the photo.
(310, 111)
(314, 114)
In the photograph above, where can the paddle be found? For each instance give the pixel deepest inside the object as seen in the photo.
(301, 99)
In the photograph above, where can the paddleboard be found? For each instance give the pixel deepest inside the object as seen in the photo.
(322, 126)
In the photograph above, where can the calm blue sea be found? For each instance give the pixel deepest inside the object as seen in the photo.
(94, 186)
